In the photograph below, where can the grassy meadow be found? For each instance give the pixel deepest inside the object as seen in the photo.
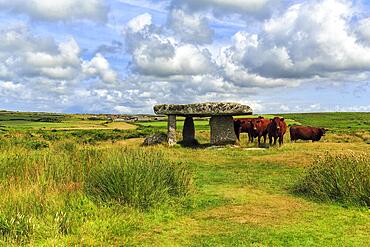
(66, 180)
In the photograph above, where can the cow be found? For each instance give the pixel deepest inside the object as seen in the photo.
(259, 129)
(245, 125)
(276, 130)
(306, 133)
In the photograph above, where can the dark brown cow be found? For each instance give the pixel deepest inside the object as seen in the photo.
(276, 129)
(245, 125)
(306, 133)
(260, 129)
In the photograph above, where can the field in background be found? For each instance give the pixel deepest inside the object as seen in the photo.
(240, 196)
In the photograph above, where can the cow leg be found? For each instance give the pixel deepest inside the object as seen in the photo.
(270, 140)
(275, 138)
(264, 138)
(238, 134)
(280, 140)
(259, 140)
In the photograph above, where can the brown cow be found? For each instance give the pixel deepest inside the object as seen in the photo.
(244, 125)
(276, 129)
(306, 133)
(259, 129)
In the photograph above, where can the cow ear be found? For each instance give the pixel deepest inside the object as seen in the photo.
(282, 119)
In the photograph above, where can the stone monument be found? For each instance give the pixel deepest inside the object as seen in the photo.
(221, 121)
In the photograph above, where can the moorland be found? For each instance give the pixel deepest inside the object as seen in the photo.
(69, 179)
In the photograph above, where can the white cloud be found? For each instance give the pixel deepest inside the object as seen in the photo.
(139, 22)
(192, 28)
(257, 8)
(58, 10)
(45, 66)
(156, 53)
(309, 39)
(10, 86)
(231, 60)
(363, 30)
(99, 66)
(65, 65)
(122, 109)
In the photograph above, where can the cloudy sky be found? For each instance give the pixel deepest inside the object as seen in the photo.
(124, 56)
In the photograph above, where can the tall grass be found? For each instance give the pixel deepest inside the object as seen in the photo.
(138, 178)
(37, 186)
(343, 178)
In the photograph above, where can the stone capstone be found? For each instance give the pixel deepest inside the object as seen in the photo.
(155, 139)
(222, 130)
(204, 109)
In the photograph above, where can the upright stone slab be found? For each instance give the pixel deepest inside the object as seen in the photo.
(188, 132)
(171, 136)
(222, 130)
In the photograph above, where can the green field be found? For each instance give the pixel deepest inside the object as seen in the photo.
(230, 196)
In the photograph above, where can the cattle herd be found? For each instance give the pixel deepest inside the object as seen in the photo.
(275, 129)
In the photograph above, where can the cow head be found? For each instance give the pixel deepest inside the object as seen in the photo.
(276, 123)
(254, 124)
(322, 131)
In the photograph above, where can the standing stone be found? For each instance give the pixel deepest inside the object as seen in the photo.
(171, 136)
(222, 130)
(188, 132)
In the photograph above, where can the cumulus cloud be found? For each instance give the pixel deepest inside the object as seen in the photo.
(193, 55)
(309, 39)
(156, 53)
(99, 66)
(363, 30)
(44, 65)
(64, 65)
(191, 28)
(58, 10)
(139, 22)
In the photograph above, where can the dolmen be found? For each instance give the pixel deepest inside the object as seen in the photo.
(221, 120)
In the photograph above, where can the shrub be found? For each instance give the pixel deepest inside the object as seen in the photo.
(138, 178)
(341, 178)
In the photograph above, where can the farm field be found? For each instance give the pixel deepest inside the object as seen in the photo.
(61, 186)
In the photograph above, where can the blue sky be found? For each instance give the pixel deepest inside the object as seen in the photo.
(124, 56)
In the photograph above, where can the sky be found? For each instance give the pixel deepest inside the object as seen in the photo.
(124, 56)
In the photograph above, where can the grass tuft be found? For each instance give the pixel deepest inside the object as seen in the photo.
(138, 178)
(18, 228)
(343, 178)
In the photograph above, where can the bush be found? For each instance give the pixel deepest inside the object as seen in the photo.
(138, 178)
(341, 178)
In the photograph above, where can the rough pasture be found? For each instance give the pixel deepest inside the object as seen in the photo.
(238, 196)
